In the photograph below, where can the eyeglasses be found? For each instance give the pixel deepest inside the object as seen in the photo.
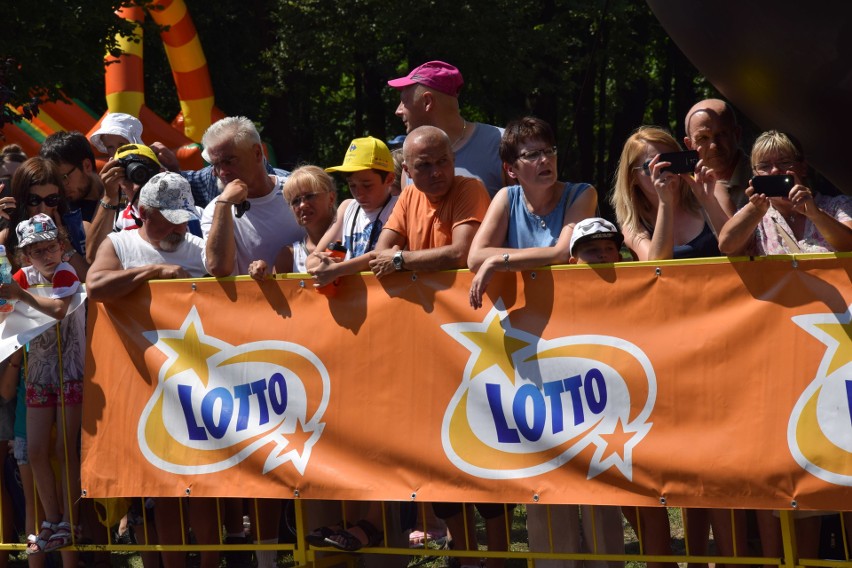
(304, 198)
(67, 175)
(533, 156)
(51, 200)
(645, 167)
(765, 168)
(44, 251)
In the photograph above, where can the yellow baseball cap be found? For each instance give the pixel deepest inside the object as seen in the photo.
(365, 154)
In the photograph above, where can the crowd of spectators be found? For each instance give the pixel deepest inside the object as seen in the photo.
(459, 194)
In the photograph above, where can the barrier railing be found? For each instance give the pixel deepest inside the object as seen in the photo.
(572, 385)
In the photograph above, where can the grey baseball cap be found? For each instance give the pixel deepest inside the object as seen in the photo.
(169, 193)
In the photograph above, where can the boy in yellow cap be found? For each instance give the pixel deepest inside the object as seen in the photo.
(369, 172)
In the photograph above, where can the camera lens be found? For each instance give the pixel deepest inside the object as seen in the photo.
(138, 173)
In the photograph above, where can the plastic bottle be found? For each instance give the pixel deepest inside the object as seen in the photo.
(335, 250)
(6, 306)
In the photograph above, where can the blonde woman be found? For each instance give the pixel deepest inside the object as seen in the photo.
(664, 215)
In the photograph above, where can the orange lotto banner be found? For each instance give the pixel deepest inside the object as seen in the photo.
(719, 384)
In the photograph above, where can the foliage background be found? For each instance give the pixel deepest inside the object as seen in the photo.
(312, 73)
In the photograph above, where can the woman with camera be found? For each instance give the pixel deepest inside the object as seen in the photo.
(37, 188)
(783, 215)
(123, 175)
(664, 214)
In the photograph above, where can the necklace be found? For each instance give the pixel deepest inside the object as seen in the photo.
(461, 136)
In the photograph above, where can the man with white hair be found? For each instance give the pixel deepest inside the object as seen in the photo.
(250, 219)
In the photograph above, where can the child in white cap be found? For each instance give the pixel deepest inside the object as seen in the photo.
(595, 241)
(54, 395)
(116, 130)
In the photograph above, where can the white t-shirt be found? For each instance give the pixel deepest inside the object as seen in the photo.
(134, 251)
(262, 231)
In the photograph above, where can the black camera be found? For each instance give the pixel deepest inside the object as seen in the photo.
(139, 162)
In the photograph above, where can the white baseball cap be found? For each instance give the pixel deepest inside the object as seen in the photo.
(119, 124)
(594, 228)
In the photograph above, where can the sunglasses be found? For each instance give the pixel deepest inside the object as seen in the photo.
(304, 198)
(51, 200)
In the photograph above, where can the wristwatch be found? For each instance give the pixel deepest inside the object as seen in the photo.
(398, 262)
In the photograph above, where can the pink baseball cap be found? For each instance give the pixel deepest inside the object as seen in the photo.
(437, 75)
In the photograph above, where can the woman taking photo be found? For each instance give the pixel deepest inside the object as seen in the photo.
(664, 215)
(802, 221)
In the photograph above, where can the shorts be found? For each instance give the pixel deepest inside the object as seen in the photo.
(20, 451)
(47, 395)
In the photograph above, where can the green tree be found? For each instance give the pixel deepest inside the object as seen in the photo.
(52, 47)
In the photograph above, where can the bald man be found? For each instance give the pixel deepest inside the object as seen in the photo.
(436, 217)
(712, 130)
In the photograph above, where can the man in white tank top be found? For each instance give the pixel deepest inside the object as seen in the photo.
(162, 248)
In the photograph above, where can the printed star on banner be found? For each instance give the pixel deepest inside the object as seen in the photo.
(188, 348)
(615, 449)
(835, 331)
(492, 342)
(294, 446)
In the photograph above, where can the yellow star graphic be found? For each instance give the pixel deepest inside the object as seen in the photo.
(842, 333)
(496, 348)
(192, 354)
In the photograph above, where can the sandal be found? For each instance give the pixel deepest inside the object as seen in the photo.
(37, 544)
(61, 537)
(345, 540)
(317, 536)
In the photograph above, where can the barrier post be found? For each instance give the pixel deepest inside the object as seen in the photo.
(788, 539)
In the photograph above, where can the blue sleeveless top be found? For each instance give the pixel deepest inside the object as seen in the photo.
(527, 230)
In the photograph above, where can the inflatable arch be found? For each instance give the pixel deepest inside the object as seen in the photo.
(124, 78)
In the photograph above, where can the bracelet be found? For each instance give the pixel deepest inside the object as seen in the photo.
(107, 205)
(506, 260)
(68, 255)
(218, 201)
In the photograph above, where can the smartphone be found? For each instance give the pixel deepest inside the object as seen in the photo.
(682, 162)
(773, 186)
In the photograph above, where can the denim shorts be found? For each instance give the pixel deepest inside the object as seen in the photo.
(20, 451)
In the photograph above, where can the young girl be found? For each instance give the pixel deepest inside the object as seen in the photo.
(53, 396)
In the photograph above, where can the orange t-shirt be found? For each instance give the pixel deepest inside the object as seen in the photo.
(427, 225)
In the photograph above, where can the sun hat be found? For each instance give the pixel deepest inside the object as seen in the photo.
(437, 75)
(36, 229)
(365, 154)
(594, 228)
(119, 124)
(171, 195)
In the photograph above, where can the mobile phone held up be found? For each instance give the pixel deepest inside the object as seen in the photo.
(681, 162)
(773, 186)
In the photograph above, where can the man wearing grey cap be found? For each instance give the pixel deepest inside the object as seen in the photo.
(162, 248)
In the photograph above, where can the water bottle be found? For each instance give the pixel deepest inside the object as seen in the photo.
(6, 306)
(335, 250)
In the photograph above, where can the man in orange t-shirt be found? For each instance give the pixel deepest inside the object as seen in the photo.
(436, 217)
